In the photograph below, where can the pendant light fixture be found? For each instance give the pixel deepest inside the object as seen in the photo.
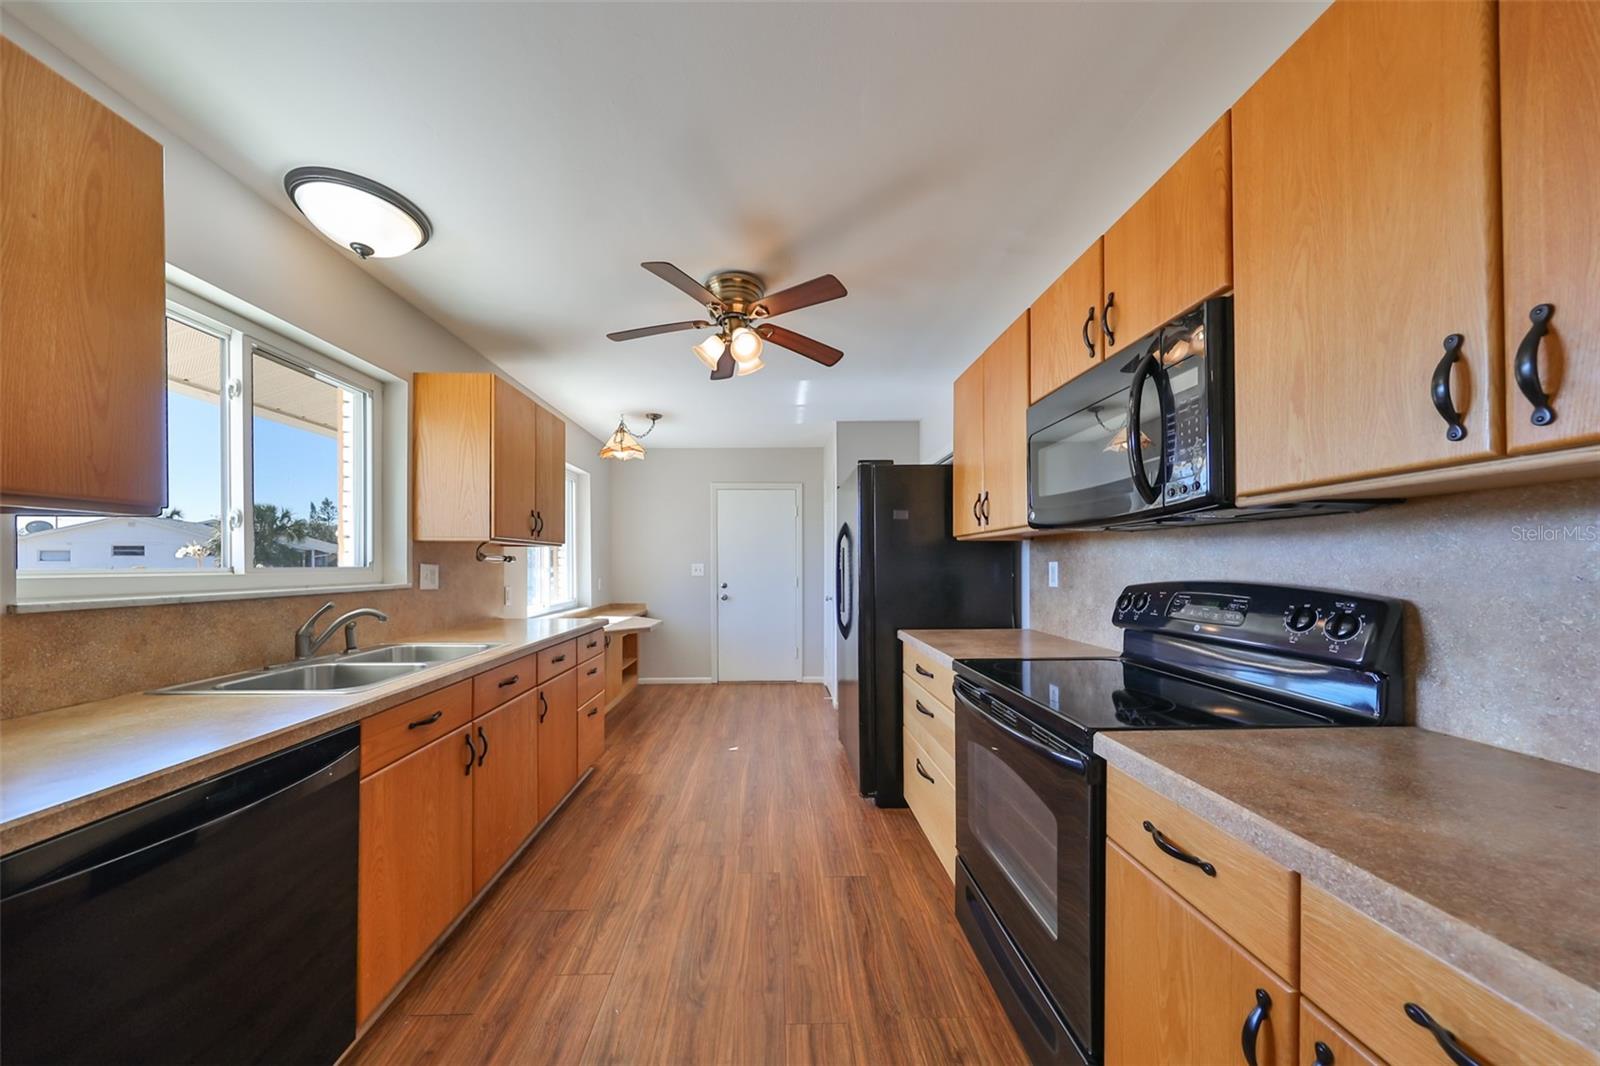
(370, 219)
(622, 445)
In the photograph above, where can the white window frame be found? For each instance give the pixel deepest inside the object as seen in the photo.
(232, 579)
(577, 544)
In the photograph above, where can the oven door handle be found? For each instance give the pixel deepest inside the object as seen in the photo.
(975, 700)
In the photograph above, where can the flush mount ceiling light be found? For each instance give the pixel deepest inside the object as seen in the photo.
(370, 219)
(623, 445)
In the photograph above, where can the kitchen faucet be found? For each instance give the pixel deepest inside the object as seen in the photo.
(306, 645)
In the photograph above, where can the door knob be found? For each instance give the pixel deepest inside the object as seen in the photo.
(724, 584)
(723, 596)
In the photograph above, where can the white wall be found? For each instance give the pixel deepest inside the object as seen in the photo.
(661, 524)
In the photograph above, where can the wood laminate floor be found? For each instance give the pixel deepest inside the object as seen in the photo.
(716, 893)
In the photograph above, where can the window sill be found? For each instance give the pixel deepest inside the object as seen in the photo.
(558, 611)
(98, 602)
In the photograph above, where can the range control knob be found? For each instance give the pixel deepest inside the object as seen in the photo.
(1141, 601)
(1342, 625)
(1300, 619)
(1124, 602)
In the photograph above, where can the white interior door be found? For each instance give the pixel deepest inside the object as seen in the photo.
(758, 584)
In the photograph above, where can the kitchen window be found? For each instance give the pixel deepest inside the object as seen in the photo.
(553, 572)
(271, 457)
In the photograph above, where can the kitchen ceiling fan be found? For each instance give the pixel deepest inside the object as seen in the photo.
(738, 305)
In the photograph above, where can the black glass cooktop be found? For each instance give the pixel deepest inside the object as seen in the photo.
(1100, 694)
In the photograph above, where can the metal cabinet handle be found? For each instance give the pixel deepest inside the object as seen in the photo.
(985, 506)
(1323, 1053)
(592, 671)
(1252, 1025)
(1442, 401)
(472, 752)
(508, 682)
(544, 705)
(976, 517)
(1525, 368)
(420, 722)
(533, 522)
(923, 772)
(592, 712)
(559, 659)
(1105, 320)
(1169, 848)
(921, 709)
(1446, 1039)
(1088, 324)
(485, 738)
(921, 672)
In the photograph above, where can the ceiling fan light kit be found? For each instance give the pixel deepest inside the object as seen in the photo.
(738, 304)
(622, 445)
(369, 218)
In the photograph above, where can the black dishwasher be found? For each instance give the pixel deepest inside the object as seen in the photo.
(216, 924)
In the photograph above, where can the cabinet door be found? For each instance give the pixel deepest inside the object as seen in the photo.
(1550, 156)
(415, 862)
(1174, 248)
(1322, 1043)
(1005, 430)
(514, 465)
(558, 740)
(505, 798)
(550, 482)
(452, 457)
(591, 732)
(1177, 988)
(1366, 232)
(967, 463)
(83, 378)
(1064, 337)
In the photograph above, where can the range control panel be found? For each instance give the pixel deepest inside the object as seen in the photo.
(1311, 623)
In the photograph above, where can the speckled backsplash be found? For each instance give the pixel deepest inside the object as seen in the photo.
(1504, 589)
(66, 657)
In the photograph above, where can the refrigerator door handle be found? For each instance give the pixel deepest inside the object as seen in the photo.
(844, 580)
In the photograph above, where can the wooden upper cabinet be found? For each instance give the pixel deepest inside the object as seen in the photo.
(477, 462)
(83, 367)
(505, 799)
(1550, 160)
(1177, 989)
(1366, 233)
(967, 460)
(1174, 248)
(1005, 430)
(1064, 337)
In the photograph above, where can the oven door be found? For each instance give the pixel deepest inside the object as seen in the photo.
(1030, 826)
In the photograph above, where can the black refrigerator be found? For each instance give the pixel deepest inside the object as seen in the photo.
(896, 567)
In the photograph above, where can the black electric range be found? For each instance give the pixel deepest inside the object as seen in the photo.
(1030, 792)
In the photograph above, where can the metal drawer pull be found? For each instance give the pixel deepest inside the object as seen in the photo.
(1252, 1025)
(1525, 368)
(923, 772)
(512, 680)
(921, 671)
(922, 709)
(592, 712)
(559, 658)
(1324, 1054)
(1178, 853)
(1446, 1039)
(592, 671)
(420, 722)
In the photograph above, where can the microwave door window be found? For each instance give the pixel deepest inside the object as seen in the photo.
(1086, 450)
(1150, 431)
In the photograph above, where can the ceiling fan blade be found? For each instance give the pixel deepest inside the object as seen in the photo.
(725, 367)
(678, 279)
(651, 331)
(816, 291)
(788, 338)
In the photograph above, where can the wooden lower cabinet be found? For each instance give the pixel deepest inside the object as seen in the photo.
(505, 798)
(1323, 1043)
(591, 732)
(558, 739)
(1178, 989)
(415, 861)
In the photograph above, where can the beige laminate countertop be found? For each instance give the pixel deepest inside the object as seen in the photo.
(947, 645)
(68, 767)
(1481, 856)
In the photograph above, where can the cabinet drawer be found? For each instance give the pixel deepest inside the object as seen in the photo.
(1325, 1044)
(931, 674)
(591, 644)
(1363, 975)
(932, 798)
(932, 723)
(591, 679)
(404, 728)
(556, 659)
(1251, 897)
(493, 687)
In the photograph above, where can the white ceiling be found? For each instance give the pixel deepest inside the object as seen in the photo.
(946, 161)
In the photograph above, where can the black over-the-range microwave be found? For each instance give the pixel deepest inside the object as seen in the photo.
(1145, 439)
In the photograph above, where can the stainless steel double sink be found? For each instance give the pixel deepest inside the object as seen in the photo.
(349, 672)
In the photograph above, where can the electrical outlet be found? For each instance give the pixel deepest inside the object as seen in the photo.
(1054, 572)
(428, 575)
(697, 569)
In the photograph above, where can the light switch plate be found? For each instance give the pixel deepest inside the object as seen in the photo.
(1055, 574)
(428, 575)
(697, 569)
